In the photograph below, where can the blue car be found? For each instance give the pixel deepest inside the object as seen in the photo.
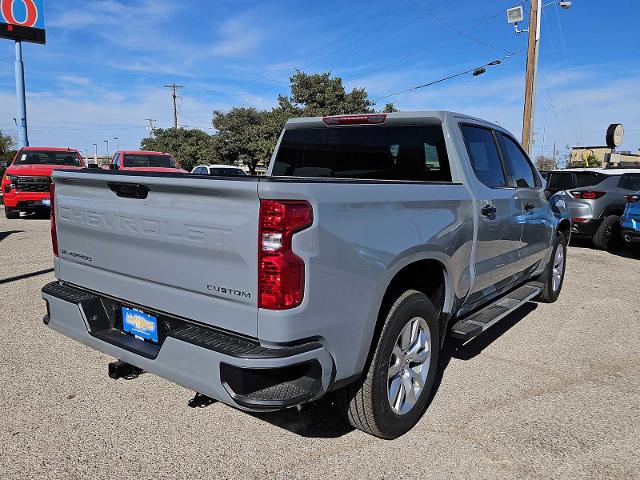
(630, 221)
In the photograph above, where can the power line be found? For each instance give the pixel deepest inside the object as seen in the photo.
(424, 50)
(460, 32)
(173, 88)
(476, 71)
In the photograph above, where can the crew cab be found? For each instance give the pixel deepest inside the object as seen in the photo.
(372, 240)
(145, 161)
(26, 181)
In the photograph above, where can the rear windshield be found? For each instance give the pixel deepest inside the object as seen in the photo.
(234, 172)
(409, 152)
(566, 180)
(142, 160)
(43, 157)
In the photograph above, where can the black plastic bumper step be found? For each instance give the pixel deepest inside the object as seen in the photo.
(103, 324)
(480, 320)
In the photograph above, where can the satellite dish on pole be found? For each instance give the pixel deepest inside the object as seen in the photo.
(615, 133)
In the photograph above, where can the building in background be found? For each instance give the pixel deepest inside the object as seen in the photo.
(603, 155)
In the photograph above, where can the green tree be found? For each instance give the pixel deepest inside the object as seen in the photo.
(320, 94)
(6, 143)
(545, 163)
(248, 136)
(189, 146)
(389, 108)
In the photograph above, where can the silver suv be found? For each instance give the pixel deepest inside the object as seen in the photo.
(595, 198)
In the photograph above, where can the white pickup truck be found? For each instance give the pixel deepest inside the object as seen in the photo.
(372, 240)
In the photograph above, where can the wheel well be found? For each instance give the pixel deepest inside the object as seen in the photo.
(565, 228)
(426, 276)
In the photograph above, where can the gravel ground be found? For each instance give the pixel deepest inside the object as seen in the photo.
(551, 391)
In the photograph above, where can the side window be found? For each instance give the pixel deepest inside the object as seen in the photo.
(199, 171)
(485, 158)
(517, 163)
(630, 181)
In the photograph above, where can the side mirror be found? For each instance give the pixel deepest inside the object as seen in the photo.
(113, 166)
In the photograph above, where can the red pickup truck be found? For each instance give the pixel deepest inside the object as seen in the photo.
(26, 182)
(145, 161)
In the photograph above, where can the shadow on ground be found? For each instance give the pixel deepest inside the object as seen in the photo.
(322, 419)
(626, 251)
(4, 235)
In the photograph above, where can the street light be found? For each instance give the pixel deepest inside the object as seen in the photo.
(107, 142)
(118, 143)
(514, 15)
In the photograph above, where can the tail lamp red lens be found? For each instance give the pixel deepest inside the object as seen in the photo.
(54, 232)
(280, 271)
(587, 194)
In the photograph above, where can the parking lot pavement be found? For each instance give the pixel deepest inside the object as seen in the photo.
(551, 391)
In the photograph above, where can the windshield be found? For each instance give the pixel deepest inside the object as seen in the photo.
(43, 157)
(407, 152)
(138, 160)
(226, 172)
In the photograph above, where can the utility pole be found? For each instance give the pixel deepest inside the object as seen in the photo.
(107, 142)
(530, 78)
(174, 88)
(554, 155)
(150, 127)
(23, 137)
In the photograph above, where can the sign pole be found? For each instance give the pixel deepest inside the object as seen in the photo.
(23, 139)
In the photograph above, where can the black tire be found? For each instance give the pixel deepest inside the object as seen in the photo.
(11, 213)
(608, 236)
(550, 294)
(365, 403)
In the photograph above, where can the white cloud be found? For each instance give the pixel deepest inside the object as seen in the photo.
(238, 36)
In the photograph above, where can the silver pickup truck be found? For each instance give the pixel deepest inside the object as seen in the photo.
(372, 240)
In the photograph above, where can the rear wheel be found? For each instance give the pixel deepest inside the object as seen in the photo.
(553, 276)
(393, 393)
(608, 236)
(11, 213)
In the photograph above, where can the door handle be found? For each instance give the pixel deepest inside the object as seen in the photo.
(129, 190)
(489, 211)
(529, 207)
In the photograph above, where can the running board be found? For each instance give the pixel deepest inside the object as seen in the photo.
(480, 320)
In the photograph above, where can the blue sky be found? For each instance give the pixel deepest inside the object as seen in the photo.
(103, 69)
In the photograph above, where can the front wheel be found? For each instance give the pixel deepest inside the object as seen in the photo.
(11, 213)
(393, 393)
(553, 276)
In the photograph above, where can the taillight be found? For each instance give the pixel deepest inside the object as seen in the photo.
(587, 194)
(280, 271)
(54, 232)
(355, 119)
(632, 198)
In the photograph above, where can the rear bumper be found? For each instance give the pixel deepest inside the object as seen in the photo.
(232, 369)
(585, 229)
(631, 235)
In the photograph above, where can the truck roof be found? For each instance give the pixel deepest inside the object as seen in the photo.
(394, 117)
(49, 149)
(140, 152)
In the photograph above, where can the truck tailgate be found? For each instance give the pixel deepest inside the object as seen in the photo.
(179, 244)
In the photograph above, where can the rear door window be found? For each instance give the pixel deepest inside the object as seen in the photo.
(520, 168)
(630, 181)
(484, 155)
(408, 152)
